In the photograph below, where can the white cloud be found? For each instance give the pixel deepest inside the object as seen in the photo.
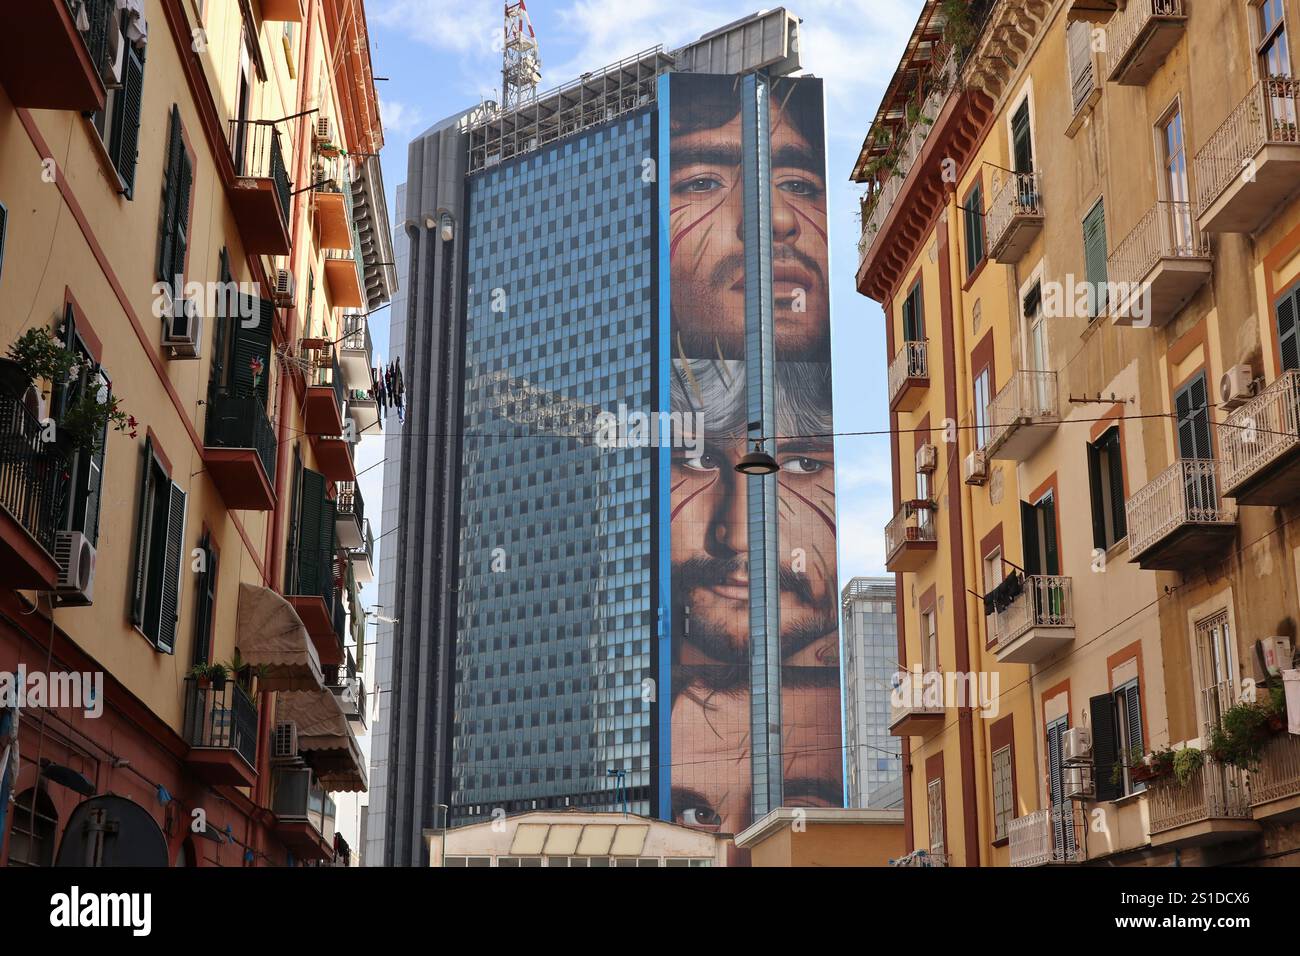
(400, 118)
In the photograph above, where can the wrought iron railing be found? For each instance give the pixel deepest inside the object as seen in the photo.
(912, 361)
(356, 335)
(1046, 601)
(240, 421)
(350, 502)
(1261, 431)
(1167, 231)
(101, 18)
(1018, 196)
(33, 480)
(1187, 492)
(1034, 839)
(1127, 24)
(1278, 775)
(1027, 397)
(255, 148)
(221, 718)
(914, 523)
(1213, 792)
(1267, 116)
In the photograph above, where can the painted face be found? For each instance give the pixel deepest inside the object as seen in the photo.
(707, 243)
(710, 544)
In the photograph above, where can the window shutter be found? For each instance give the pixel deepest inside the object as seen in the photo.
(309, 531)
(1047, 508)
(94, 480)
(138, 588)
(171, 582)
(1105, 744)
(1133, 713)
(1021, 142)
(204, 603)
(1094, 255)
(1029, 537)
(1119, 517)
(124, 139)
(1183, 410)
(251, 343)
(180, 242)
(1095, 479)
(1056, 781)
(222, 324)
(4, 229)
(1193, 419)
(167, 213)
(1288, 319)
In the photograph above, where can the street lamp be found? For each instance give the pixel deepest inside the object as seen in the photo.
(757, 462)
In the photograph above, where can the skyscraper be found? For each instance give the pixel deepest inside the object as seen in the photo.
(873, 755)
(615, 290)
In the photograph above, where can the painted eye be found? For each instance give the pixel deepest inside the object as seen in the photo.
(700, 184)
(700, 817)
(705, 462)
(798, 187)
(803, 466)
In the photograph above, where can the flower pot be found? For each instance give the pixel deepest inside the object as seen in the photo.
(219, 683)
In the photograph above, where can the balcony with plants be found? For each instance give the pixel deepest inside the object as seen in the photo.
(221, 724)
(910, 536)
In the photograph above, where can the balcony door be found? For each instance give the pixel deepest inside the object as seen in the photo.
(1191, 405)
(1022, 140)
(1038, 534)
(1176, 190)
(1216, 672)
(1063, 838)
(1274, 60)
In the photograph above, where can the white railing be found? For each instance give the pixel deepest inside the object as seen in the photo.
(1046, 601)
(1261, 431)
(909, 697)
(1033, 842)
(1213, 792)
(1126, 25)
(1268, 115)
(1018, 196)
(1278, 774)
(913, 524)
(912, 361)
(1167, 231)
(1027, 396)
(1187, 492)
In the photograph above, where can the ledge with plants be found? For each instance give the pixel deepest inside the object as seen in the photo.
(1245, 729)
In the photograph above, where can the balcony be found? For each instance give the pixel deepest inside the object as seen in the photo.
(1096, 11)
(362, 558)
(1251, 163)
(304, 813)
(1015, 217)
(356, 353)
(334, 458)
(1037, 622)
(1023, 415)
(1159, 266)
(260, 196)
(910, 536)
(349, 516)
(909, 377)
(322, 404)
(1260, 441)
(344, 279)
(1211, 808)
(316, 603)
(333, 199)
(910, 714)
(1038, 838)
(46, 63)
(1140, 36)
(289, 11)
(364, 412)
(239, 451)
(349, 690)
(1179, 520)
(33, 493)
(221, 730)
(1275, 783)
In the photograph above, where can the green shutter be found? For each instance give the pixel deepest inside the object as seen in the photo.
(1193, 419)
(124, 137)
(169, 607)
(167, 212)
(250, 343)
(1133, 714)
(1095, 479)
(140, 579)
(1022, 144)
(310, 521)
(1094, 255)
(1105, 747)
(1119, 516)
(1029, 537)
(204, 602)
(1047, 507)
(180, 240)
(1288, 320)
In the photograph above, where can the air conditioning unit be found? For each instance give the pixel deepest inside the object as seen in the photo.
(183, 330)
(324, 130)
(976, 469)
(284, 289)
(1076, 745)
(284, 742)
(75, 556)
(1078, 783)
(927, 458)
(1236, 388)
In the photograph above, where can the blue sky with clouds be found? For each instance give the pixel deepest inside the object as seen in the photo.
(438, 57)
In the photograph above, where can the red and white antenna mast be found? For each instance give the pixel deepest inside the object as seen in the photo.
(521, 65)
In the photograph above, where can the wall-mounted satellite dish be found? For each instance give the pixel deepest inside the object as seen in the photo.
(112, 831)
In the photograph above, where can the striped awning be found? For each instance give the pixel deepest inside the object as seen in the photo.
(270, 635)
(325, 739)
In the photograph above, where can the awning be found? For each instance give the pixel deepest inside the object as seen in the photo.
(325, 739)
(270, 634)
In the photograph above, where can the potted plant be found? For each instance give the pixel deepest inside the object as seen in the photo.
(1186, 762)
(85, 418)
(219, 674)
(199, 674)
(34, 355)
(1241, 734)
(1276, 709)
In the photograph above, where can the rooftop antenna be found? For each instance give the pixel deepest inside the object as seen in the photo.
(521, 65)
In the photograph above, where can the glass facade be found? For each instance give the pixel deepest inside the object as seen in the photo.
(873, 755)
(556, 621)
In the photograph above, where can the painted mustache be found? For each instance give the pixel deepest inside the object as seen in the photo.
(787, 263)
(716, 572)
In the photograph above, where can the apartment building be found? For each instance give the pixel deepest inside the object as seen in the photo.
(871, 752)
(1081, 221)
(192, 229)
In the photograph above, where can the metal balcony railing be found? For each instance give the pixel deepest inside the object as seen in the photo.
(1046, 601)
(33, 489)
(356, 334)
(1278, 775)
(1213, 792)
(1261, 431)
(240, 421)
(913, 523)
(1018, 196)
(912, 361)
(1035, 838)
(350, 502)
(255, 148)
(1187, 492)
(221, 718)
(1027, 396)
(101, 18)
(1167, 231)
(297, 796)
(1267, 116)
(1127, 24)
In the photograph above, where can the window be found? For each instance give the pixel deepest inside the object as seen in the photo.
(1004, 809)
(87, 466)
(174, 213)
(313, 562)
(1288, 328)
(1106, 480)
(974, 221)
(934, 795)
(205, 601)
(118, 124)
(31, 837)
(1193, 414)
(1216, 670)
(1022, 142)
(1274, 58)
(1038, 534)
(992, 579)
(1094, 257)
(913, 315)
(159, 545)
(929, 642)
(1117, 742)
(982, 397)
(923, 494)
(1063, 835)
